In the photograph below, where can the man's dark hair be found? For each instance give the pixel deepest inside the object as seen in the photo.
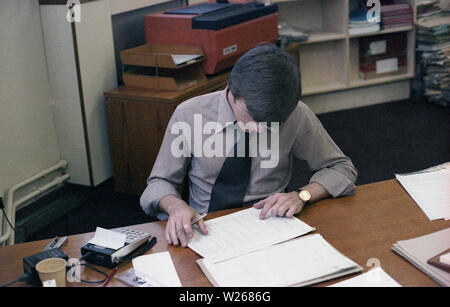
(269, 81)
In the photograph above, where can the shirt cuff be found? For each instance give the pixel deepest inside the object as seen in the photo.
(334, 182)
(154, 192)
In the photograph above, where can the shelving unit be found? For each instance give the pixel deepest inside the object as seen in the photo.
(329, 59)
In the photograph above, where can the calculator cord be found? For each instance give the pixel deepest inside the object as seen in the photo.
(93, 268)
(24, 277)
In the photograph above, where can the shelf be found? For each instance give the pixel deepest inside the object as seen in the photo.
(329, 59)
(330, 87)
(360, 82)
(323, 36)
(316, 37)
(321, 66)
(394, 30)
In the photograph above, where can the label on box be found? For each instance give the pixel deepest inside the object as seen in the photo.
(387, 65)
(378, 47)
(230, 49)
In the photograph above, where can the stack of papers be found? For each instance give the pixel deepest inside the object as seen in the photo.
(241, 250)
(359, 24)
(433, 46)
(419, 250)
(157, 269)
(376, 277)
(430, 189)
(242, 232)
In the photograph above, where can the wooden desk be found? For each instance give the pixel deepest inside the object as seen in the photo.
(361, 227)
(137, 119)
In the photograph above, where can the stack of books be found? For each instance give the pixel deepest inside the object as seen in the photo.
(359, 24)
(396, 14)
(433, 57)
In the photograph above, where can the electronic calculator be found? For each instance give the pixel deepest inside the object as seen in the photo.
(112, 257)
(132, 235)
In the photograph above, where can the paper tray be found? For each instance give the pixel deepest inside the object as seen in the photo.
(173, 81)
(161, 55)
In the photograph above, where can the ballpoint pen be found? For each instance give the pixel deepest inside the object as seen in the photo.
(193, 222)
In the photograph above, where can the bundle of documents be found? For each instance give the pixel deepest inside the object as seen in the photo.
(430, 190)
(243, 250)
(419, 250)
(433, 56)
(359, 24)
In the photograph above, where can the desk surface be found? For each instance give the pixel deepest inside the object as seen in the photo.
(362, 226)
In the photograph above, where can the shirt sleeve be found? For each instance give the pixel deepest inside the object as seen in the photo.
(170, 167)
(333, 170)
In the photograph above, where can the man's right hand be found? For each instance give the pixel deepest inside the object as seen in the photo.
(180, 217)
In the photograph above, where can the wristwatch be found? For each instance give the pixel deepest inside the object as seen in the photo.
(305, 196)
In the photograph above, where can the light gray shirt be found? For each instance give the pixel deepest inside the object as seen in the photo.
(301, 135)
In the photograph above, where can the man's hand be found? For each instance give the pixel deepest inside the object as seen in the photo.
(281, 204)
(180, 217)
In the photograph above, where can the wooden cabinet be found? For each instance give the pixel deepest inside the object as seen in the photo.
(137, 119)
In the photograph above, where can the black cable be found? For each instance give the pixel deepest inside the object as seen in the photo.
(24, 277)
(3, 210)
(93, 268)
(98, 271)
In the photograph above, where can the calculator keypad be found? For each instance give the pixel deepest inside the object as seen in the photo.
(132, 235)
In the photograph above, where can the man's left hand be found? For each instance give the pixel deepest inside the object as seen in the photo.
(281, 204)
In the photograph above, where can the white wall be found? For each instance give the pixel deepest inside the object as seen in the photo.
(27, 131)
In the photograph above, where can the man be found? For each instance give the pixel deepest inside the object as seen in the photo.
(264, 87)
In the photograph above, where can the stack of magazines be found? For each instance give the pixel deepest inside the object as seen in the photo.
(425, 253)
(360, 24)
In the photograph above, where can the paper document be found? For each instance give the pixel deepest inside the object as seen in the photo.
(242, 232)
(108, 238)
(299, 262)
(180, 59)
(430, 190)
(376, 277)
(157, 269)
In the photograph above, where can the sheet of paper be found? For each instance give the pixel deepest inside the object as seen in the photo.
(430, 190)
(386, 65)
(179, 59)
(376, 277)
(242, 232)
(158, 269)
(297, 262)
(108, 238)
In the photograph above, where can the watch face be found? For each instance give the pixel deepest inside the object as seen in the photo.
(305, 195)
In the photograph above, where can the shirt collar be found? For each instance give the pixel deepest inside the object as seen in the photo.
(225, 115)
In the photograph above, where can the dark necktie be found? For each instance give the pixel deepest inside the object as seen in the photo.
(231, 183)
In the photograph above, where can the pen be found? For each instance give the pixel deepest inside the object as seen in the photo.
(111, 275)
(193, 222)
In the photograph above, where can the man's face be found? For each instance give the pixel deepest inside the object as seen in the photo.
(245, 120)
